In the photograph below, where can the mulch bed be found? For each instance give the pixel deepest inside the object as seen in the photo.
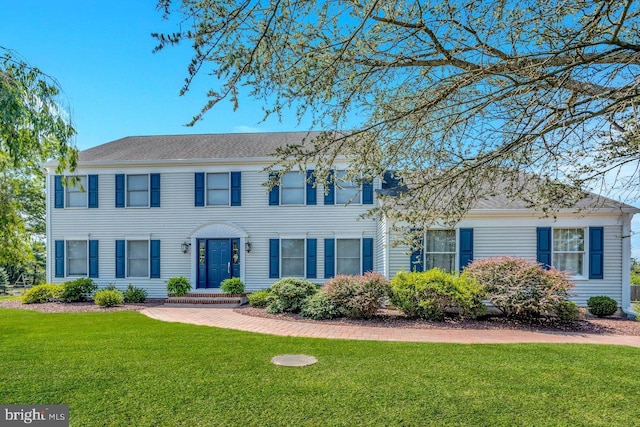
(61, 307)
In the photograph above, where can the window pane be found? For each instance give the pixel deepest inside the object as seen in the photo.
(349, 189)
(293, 179)
(292, 257)
(77, 267)
(350, 266)
(348, 256)
(292, 267)
(137, 198)
(137, 190)
(138, 268)
(446, 262)
(218, 181)
(137, 182)
(218, 197)
(137, 258)
(440, 241)
(77, 258)
(77, 194)
(292, 185)
(569, 262)
(568, 239)
(292, 196)
(77, 249)
(293, 248)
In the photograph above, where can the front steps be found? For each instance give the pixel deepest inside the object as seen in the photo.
(207, 299)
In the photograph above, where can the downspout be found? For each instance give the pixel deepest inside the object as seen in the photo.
(627, 309)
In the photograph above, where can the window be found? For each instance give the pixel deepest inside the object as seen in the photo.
(76, 194)
(568, 250)
(348, 256)
(137, 190)
(347, 191)
(137, 258)
(217, 189)
(292, 259)
(77, 258)
(440, 250)
(292, 186)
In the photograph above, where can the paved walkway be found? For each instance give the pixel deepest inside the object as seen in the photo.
(229, 319)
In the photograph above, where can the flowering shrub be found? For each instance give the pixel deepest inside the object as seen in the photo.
(519, 287)
(433, 294)
(289, 294)
(357, 296)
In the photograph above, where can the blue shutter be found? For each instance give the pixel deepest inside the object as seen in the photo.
(312, 258)
(120, 260)
(236, 188)
(466, 247)
(58, 192)
(155, 259)
(274, 193)
(330, 191)
(416, 260)
(543, 237)
(329, 258)
(596, 252)
(199, 189)
(59, 256)
(93, 191)
(311, 190)
(93, 258)
(367, 254)
(274, 258)
(155, 190)
(367, 192)
(120, 191)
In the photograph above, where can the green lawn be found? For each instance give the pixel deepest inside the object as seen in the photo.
(123, 368)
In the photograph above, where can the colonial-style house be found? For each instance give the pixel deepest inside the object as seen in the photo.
(145, 209)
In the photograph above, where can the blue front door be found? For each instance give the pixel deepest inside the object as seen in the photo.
(218, 261)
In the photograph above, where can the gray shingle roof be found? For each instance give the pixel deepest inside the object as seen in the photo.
(186, 147)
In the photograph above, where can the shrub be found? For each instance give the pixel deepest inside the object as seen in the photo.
(232, 286)
(108, 297)
(567, 310)
(178, 286)
(110, 287)
(42, 293)
(78, 290)
(134, 295)
(319, 307)
(289, 294)
(602, 306)
(519, 287)
(260, 299)
(434, 294)
(357, 296)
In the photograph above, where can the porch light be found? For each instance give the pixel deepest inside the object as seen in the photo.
(247, 247)
(185, 247)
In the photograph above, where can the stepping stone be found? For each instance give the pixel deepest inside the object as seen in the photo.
(294, 360)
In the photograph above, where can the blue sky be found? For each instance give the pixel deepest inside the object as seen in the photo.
(101, 54)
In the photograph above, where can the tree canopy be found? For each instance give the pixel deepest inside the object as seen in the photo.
(463, 98)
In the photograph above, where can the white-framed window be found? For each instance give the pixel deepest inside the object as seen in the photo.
(218, 189)
(137, 252)
(76, 193)
(569, 250)
(138, 190)
(292, 188)
(348, 256)
(77, 261)
(440, 250)
(347, 190)
(292, 257)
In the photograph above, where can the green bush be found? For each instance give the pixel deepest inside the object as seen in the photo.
(567, 310)
(260, 299)
(519, 287)
(232, 286)
(434, 294)
(178, 286)
(134, 295)
(108, 298)
(357, 296)
(42, 293)
(318, 307)
(289, 295)
(78, 290)
(602, 306)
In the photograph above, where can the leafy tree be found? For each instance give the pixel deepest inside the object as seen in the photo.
(33, 129)
(464, 98)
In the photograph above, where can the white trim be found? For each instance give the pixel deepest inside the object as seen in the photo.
(584, 252)
(66, 258)
(50, 266)
(304, 256)
(126, 191)
(126, 258)
(626, 262)
(206, 189)
(137, 236)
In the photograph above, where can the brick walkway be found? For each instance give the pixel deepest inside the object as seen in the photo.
(229, 319)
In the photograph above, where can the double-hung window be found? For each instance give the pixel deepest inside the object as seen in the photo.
(137, 258)
(440, 250)
(137, 190)
(569, 250)
(77, 258)
(348, 256)
(347, 190)
(218, 189)
(76, 193)
(292, 187)
(292, 257)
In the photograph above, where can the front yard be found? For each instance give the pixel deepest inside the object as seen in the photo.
(122, 368)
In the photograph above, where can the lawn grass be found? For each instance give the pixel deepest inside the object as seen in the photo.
(10, 297)
(124, 369)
